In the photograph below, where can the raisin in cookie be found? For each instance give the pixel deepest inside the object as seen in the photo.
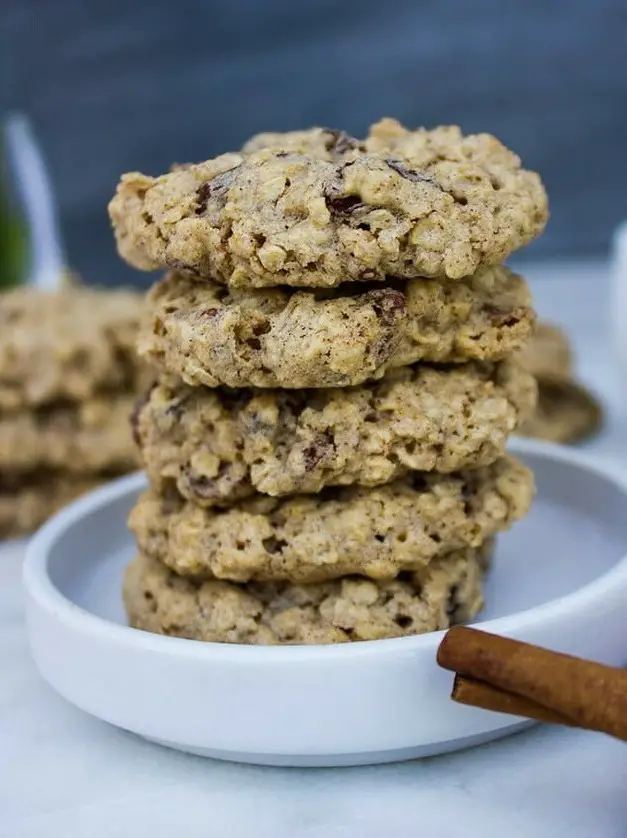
(446, 592)
(82, 437)
(69, 344)
(210, 335)
(312, 538)
(221, 445)
(411, 203)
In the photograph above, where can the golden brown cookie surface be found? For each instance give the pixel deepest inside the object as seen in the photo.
(67, 345)
(310, 538)
(219, 446)
(208, 335)
(446, 592)
(324, 208)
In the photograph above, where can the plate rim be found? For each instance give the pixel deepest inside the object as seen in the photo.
(42, 591)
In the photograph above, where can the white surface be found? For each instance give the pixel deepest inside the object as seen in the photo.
(553, 575)
(65, 775)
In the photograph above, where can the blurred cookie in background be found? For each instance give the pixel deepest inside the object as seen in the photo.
(549, 352)
(567, 412)
(67, 345)
(25, 503)
(69, 376)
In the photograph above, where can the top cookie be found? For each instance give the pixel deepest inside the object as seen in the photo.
(69, 344)
(318, 208)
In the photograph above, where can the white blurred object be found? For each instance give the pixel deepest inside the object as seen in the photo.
(618, 296)
(33, 188)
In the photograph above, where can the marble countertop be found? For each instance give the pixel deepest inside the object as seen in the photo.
(66, 775)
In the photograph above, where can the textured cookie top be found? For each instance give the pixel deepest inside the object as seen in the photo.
(208, 334)
(310, 538)
(68, 344)
(320, 208)
(220, 445)
(446, 592)
(89, 436)
(320, 143)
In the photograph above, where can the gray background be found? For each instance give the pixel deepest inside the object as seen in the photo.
(114, 85)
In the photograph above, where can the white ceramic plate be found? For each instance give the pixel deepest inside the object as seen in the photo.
(559, 579)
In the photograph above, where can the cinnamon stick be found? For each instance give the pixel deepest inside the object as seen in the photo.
(479, 694)
(588, 694)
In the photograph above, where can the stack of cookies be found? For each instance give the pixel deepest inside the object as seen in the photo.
(334, 340)
(69, 376)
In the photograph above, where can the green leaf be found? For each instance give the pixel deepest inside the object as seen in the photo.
(13, 244)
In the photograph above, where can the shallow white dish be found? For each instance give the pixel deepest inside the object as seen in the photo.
(559, 579)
